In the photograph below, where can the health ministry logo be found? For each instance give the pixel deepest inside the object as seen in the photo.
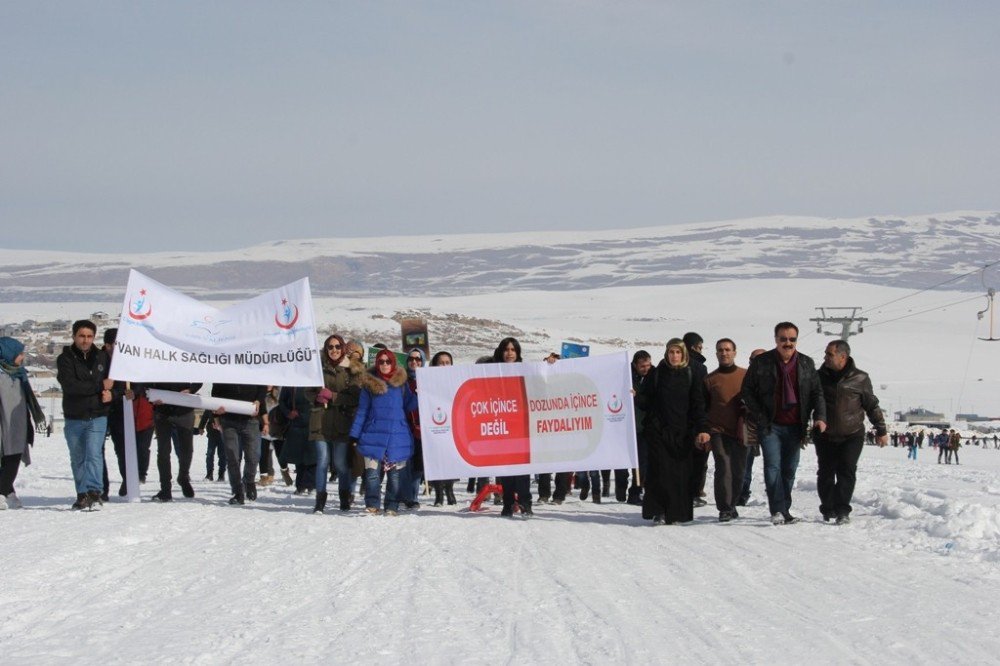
(288, 316)
(615, 405)
(439, 417)
(210, 325)
(141, 308)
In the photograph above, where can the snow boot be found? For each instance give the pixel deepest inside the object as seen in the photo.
(345, 500)
(320, 502)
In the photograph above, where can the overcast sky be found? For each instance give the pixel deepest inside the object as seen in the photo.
(143, 126)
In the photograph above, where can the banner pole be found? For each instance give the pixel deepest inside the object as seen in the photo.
(131, 455)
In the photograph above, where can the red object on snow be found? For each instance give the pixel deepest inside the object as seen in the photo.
(488, 489)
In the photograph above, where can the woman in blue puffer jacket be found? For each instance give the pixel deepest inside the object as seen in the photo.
(381, 429)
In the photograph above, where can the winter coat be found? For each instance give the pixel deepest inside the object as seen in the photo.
(332, 422)
(19, 412)
(296, 449)
(640, 414)
(760, 388)
(674, 401)
(380, 424)
(82, 380)
(849, 396)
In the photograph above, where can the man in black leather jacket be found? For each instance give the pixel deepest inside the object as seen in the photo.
(781, 390)
(848, 394)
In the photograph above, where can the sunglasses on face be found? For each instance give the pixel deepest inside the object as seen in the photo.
(385, 361)
(783, 339)
(331, 347)
(415, 359)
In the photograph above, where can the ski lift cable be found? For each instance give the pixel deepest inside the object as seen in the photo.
(935, 286)
(914, 314)
(968, 362)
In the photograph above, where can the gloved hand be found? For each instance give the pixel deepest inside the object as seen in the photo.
(324, 396)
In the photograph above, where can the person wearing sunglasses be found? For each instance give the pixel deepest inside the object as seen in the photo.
(381, 430)
(782, 391)
(331, 419)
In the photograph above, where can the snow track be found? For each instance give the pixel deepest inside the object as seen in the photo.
(200, 582)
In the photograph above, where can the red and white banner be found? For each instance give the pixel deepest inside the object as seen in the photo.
(525, 418)
(165, 336)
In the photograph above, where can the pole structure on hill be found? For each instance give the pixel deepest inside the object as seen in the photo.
(990, 295)
(845, 317)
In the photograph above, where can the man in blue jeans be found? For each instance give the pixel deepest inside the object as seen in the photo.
(781, 391)
(82, 372)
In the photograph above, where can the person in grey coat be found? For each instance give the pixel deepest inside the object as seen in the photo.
(19, 411)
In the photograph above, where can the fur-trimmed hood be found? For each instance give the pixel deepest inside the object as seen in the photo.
(370, 381)
(352, 366)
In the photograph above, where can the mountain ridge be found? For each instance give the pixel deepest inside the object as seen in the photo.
(910, 252)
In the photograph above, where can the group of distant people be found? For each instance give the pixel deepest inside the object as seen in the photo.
(947, 442)
(363, 424)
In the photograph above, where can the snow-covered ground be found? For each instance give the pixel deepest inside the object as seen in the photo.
(913, 579)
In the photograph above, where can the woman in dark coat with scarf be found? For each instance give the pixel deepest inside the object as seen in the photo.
(674, 403)
(19, 411)
(332, 415)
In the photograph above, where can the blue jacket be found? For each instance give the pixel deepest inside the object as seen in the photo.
(380, 424)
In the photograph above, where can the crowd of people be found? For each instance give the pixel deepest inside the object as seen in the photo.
(361, 430)
(948, 442)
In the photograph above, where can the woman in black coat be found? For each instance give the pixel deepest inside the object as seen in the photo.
(674, 403)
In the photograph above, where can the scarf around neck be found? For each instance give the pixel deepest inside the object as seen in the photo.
(787, 385)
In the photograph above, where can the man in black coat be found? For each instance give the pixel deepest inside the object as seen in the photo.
(699, 461)
(849, 396)
(241, 436)
(173, 426)
(781, 391)
(82, 372)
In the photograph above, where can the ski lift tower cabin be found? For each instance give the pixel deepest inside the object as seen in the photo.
(845, 317)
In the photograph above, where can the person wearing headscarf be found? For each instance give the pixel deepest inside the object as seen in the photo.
(674, 402)
(381, 430)
(19, 411)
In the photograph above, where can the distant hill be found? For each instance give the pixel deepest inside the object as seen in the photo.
(909, 252)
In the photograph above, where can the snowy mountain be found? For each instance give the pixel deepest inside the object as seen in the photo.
(908, 252)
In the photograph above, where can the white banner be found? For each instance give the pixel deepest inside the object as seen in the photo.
(165, 336)
(525, 418)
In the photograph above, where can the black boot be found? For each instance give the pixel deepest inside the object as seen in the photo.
(438, 494)
(635, 496)
(320, 502)
(250, 489)
(345, 500)
(449, 493)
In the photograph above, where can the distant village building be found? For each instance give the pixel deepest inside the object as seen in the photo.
(922, 417)
(974, 418)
